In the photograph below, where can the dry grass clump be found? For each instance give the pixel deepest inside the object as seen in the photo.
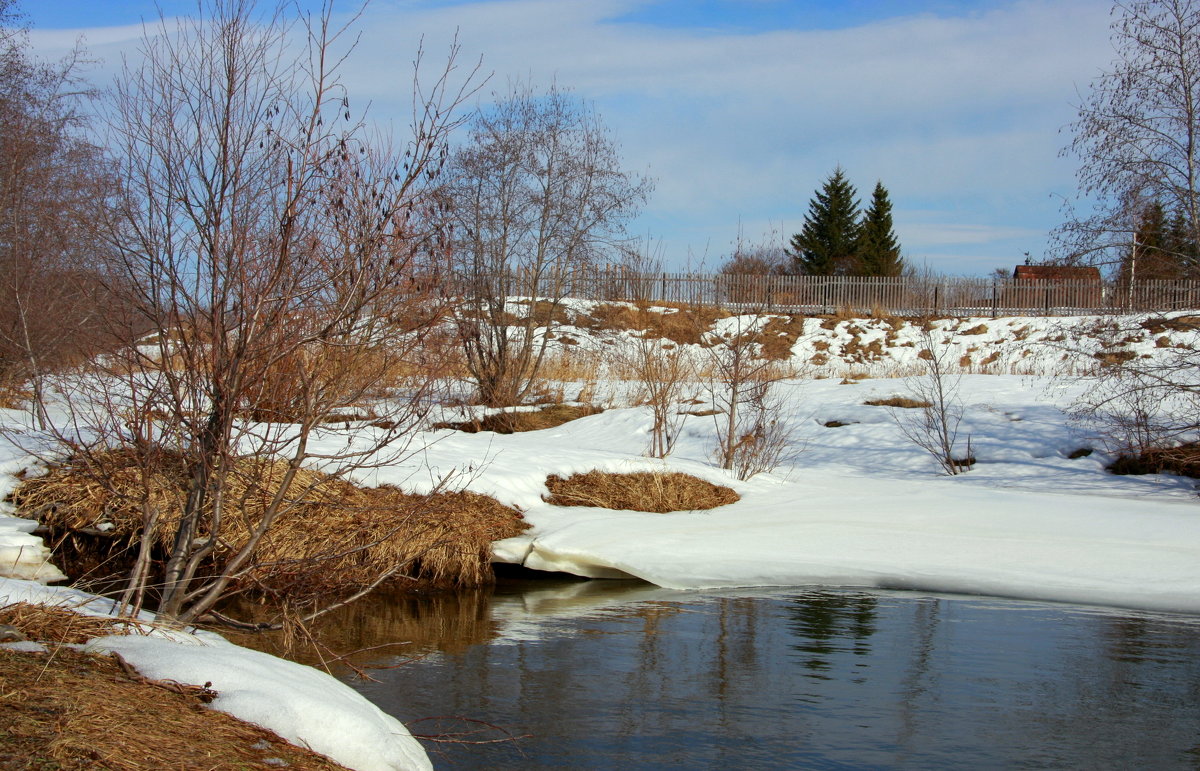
(1175, 324)
(44, 623)
(544, 313)
(529, 420)
(73, 711)
(331, 535)
(1183, 460)
(978, 329)
(779, 335)
(653, 491)
(903, 402)
(685, 324)
(1113, 358)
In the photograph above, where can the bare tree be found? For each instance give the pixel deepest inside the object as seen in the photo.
(53, 185)
(1138, 132)
(288, 267)
(537, 195)
(933, 424)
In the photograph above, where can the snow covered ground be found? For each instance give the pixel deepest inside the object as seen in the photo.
(302, 705)
(860, 506)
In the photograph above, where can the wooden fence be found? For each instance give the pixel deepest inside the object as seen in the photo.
(861, 295)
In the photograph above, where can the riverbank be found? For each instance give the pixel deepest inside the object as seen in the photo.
(89, 694)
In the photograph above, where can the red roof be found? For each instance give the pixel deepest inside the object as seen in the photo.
(1056, 273)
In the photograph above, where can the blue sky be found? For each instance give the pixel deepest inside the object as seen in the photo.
(741, 108)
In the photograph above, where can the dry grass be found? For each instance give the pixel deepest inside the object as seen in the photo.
(44, 623)
(332, 535)
(682, 325)
(779, 335)
(71, 711)
(14, 397)
(1175, 324)
(1183, 460)
(341, 375)
(978, 329)
(902, 402)
(1113, 358)
(525, 420)
(657, 492)
(544, 313)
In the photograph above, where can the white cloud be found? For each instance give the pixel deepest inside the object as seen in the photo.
(959, 114)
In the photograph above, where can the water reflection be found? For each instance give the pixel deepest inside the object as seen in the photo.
(621, 674)
(823, 622)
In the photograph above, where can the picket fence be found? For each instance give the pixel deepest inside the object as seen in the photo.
(906, 296)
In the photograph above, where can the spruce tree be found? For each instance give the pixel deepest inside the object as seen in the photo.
(878, 250)
(1150, 256)
(826, 244)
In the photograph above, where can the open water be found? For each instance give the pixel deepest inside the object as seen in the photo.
(620, 675)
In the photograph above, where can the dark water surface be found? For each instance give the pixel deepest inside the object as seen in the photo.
(621, 675)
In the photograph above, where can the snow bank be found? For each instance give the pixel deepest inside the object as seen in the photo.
(22, 554)
(933, 535)
(864, 507)
(303, 705)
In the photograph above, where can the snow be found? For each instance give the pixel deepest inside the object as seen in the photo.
(23, 555)
(303, 705)
(861, 506)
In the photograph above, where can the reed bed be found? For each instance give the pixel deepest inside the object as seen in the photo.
(330, 536)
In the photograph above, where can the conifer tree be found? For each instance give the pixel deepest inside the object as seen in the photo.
(878, 249)
(1161, 248)
(826, 245)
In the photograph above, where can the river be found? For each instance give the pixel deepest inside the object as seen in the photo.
(615, 674)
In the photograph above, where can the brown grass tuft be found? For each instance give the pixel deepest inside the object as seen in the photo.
(332, 535)
(527, 420)
(1175, 324)
(902, 402)
(978, 329)
(44, 623)
(779, 335)
(1112, 358)
(683, 324)
(1183, 460)
(657, 492)
(73, 711)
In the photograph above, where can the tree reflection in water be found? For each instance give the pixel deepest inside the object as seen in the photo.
(622, 674)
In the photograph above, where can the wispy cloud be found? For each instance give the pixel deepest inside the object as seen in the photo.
(956, 114)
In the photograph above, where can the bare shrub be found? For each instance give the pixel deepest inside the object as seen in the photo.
(54, 188)
(653, 491)
(664, 377)
(933, 424)
(752, 434)
(1143, 407)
